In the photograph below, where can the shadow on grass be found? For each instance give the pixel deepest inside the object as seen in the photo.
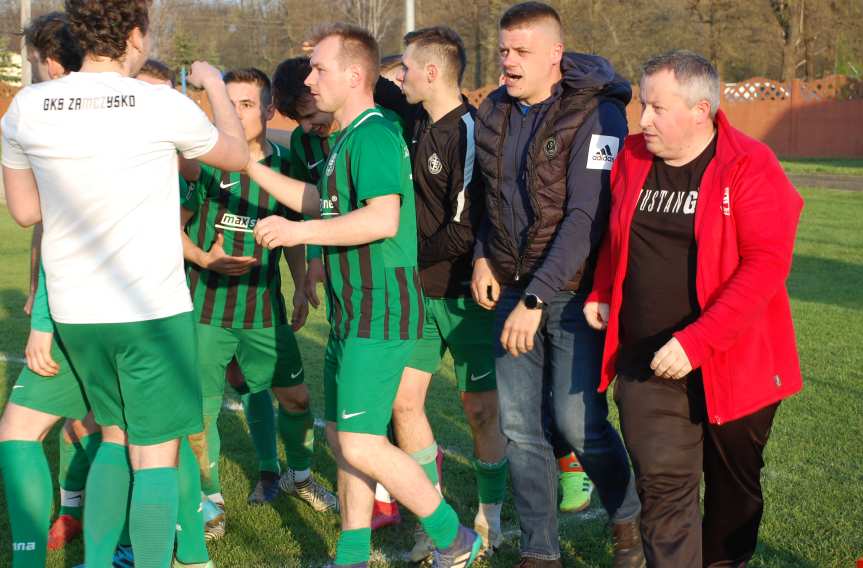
(826, 281)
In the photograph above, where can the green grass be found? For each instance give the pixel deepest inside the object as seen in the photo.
(813, 481)
(842, 166)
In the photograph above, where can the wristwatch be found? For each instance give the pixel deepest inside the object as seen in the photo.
(532, 302)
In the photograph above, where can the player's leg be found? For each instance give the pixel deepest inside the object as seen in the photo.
(78, 442)
(363, 409)
(261, 418)
(107, 498)
(385, 511)
(27, 481)
(35, 404)
(468, 332)
(270, 357)
(191, 544)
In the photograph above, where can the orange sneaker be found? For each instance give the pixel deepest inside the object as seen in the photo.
(64, 530)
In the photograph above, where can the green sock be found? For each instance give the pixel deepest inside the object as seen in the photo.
(491, 480)
(210, 481)
(107, 502)
(261, 419)
(427, 458)
(153, 517)
(191, 545)
(75, 460)
(441, 526)
(27, 478)
(354, 547)
(298, 435)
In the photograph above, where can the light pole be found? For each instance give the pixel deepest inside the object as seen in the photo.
(25, 65)
(410, 16)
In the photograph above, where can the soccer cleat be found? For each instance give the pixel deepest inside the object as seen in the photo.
(492, 536)
(178, 564)
(462, 552)
(423, 546)
(214, 520)
(576, 489)
(64, 530)
(385, 514)
(123, 557)
(309, 491)
(266, 490)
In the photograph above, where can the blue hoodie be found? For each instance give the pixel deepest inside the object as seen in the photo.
(587, 179)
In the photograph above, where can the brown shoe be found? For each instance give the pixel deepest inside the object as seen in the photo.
(628, 549)
(527, 562)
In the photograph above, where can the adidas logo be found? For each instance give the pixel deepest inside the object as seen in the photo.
(605, 154)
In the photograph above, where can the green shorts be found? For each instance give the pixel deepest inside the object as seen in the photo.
(60, 395)
(139, 376)
(269, 358)
(361, 379)
(466, 329)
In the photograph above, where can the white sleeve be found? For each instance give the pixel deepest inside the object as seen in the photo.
(190, 129)
(13, 153)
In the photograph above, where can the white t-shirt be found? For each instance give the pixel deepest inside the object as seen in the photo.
(102, 148)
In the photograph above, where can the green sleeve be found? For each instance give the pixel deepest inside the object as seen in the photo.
(193, 193)
(40, 317)
(301, 172)
(378, 156)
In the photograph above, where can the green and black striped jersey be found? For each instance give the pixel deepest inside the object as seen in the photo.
(231, 203)
(373, 289)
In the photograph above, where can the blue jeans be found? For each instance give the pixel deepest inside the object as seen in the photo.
(565, 363)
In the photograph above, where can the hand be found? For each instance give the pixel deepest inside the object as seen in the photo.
(671, 362)
(484, 286)
(301, 310)
(275, 231)
(38, 353)
(314, 276)
(202, 74)
(596, 315)
(28, 304)
(520, 329)
(217, 260)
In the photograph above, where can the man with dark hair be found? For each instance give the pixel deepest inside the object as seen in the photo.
(690, 285)
(155, 69)
(52, 49)
(114, 267)
(239, 306)
(546, 141)
(450, 204)
(367, 226)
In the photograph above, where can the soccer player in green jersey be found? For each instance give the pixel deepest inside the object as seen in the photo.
(236, 292)
(365, 220)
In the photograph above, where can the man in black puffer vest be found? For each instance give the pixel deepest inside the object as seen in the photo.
(545, 143)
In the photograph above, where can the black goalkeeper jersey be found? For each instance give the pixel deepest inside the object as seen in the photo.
(448, 187)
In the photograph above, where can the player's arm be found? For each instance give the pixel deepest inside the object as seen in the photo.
(294, 194)
(296, 258)
(379, 219)
(215, 259)
(38, 349)
(35, 254)
(22, 197)
(231, 152)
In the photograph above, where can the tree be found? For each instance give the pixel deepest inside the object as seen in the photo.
(374, 15)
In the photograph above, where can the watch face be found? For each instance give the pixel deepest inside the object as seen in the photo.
(531, 301)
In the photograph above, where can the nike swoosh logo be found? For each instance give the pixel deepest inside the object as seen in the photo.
(18, 387)
(224, 186)
(313, 166)
(346, 416)
(297, 374)
(475, 378)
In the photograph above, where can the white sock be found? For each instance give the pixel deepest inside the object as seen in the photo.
(489, 514)
(216, 498)
(71, 498)
(301, 475)
(381, 494)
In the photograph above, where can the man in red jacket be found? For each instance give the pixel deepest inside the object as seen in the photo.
(690, 285)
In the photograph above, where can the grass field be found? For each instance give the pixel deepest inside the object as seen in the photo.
(813, 480)
(843, 166)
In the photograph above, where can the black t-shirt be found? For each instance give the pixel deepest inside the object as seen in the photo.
(659, 296)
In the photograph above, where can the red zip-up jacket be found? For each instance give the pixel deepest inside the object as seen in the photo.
(745, 223)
